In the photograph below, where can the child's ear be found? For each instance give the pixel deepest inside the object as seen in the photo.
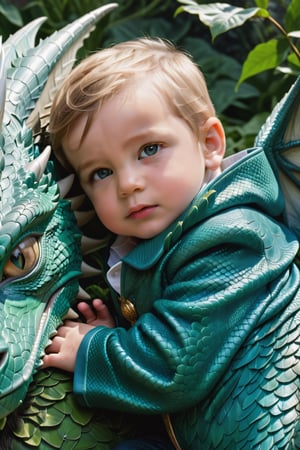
(214, 143)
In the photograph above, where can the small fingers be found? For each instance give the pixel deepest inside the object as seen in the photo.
(56, 360)
(87, 311)
(98, 303)
(97, 311)
(50, 360)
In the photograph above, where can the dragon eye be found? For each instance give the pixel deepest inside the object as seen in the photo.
(23, 258)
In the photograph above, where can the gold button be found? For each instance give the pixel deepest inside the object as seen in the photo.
(128, 310)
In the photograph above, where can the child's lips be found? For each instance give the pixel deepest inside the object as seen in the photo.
(141, 211)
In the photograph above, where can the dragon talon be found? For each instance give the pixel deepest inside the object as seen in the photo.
(65, 185)
(89, 271)
(51, 335)
(38, 165)
(71, 315)
(82, 294)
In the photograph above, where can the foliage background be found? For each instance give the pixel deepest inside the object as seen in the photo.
(241, 110)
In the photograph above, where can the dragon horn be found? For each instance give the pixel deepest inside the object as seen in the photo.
(66, 43)
(65, 185)
(38, 165)
(35, 82)
(21, 41)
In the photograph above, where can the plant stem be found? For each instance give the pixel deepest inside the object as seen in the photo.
(282, 30)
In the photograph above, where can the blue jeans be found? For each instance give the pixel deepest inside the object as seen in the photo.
(147, 443)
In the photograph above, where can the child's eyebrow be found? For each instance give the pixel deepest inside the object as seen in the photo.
(148, 134)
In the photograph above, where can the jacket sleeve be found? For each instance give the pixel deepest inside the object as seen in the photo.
(220, 282)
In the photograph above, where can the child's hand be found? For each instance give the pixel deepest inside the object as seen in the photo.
(62, 351)
(98, 315)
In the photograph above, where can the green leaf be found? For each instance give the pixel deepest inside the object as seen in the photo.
(262, 3)
(294, 60)
(253, 126)
(263, 57)
(192, 8)
(221, 17)
(243, 136)
(224, 95)
(11, 13)
(292, 17)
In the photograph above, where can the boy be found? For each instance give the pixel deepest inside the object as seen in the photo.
(200, 269)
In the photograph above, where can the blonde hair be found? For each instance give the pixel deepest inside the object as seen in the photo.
(103, 74)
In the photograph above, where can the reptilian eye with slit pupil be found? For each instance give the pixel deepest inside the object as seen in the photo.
(23, 258)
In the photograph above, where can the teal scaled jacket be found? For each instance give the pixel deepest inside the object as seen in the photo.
(216, 342)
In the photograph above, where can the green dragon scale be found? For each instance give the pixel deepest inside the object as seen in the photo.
(39, 251)
(40, 241)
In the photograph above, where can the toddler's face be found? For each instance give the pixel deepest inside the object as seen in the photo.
(139, 164)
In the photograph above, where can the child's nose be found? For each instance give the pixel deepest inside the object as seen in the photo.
(130, 181)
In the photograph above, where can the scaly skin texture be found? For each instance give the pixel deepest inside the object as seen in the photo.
(40, 256)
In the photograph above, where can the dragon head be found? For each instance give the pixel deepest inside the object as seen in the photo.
(40, 258)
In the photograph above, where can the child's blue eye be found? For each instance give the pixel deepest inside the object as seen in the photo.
(149, 150)
(100, 174)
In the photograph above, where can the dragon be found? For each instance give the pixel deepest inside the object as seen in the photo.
(42, 245)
